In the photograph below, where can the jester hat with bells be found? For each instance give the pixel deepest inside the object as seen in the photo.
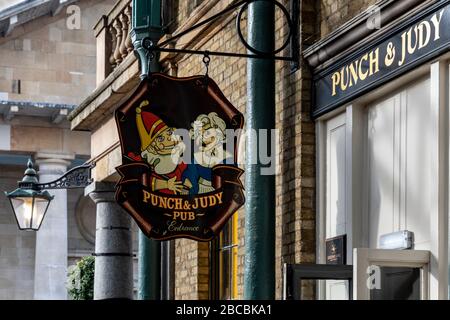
(149, 126)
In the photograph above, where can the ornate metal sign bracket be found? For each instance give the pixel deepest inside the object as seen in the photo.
(292, 39)
(78, 177)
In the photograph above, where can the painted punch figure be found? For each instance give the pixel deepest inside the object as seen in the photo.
(208, 133)
(162, 150)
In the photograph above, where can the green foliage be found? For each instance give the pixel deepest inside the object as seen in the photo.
(80, 281)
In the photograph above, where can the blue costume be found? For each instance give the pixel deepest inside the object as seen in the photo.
(194, 172)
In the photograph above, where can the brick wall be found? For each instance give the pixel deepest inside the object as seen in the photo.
(334, 13)
(191, 270)
(295, 185)
(295, 182)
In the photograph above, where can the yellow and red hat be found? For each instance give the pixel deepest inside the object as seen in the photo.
(149, 127)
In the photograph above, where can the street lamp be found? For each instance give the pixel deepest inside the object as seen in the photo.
(30, 201)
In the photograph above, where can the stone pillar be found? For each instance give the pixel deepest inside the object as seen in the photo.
(113, 278)
(50, 271)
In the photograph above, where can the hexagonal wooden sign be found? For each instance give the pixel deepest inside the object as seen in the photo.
(179, 173)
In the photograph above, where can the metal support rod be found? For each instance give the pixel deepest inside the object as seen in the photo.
(254, 53)
(168, 270)
(149, 268)
(206, 21)
(147, 23)
(259, 273)
(149, 254)
(217, 53)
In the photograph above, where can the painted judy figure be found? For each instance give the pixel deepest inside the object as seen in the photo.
(208, 135)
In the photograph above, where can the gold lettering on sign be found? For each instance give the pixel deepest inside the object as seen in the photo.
(436, 20)
(172, 203)
(335, 79)
(421, 37)
(374, 62)
(424, 35)
(390, 54)
(363, 75)
(349, 75)
(415, 38)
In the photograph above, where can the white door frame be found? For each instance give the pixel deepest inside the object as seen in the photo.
(439, 73)
(363, 258)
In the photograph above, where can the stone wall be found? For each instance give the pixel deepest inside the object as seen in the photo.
(16, 247)
(53, 63)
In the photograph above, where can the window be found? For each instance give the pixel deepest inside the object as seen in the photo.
(224, 262)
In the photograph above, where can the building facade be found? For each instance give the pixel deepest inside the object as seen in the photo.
(381, 148)
(47, 64)
(363, 146)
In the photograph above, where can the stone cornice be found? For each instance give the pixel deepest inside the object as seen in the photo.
(101, 101)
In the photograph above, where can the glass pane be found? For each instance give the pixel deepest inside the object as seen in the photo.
(395, 283)
(23, 211)
(40, 207)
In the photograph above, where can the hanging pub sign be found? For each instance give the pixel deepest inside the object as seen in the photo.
(179, 175)
(417, 40)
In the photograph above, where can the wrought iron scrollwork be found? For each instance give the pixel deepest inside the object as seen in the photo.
(254, 50)
(78, 177)
(292, 38)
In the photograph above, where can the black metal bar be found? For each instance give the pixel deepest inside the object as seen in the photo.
(113, 254)
(350, 289)
(198, 25)
(292, 38)
(297, 273)
(113, 228)
(287, 282)
(296, 286)
(222, 54)
(323, 271)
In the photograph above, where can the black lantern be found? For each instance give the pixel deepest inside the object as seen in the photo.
(30, 201)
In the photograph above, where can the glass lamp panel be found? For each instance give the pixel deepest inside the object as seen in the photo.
(40, 208)
(23, 209)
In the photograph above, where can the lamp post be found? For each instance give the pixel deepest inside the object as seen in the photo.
(31, 200)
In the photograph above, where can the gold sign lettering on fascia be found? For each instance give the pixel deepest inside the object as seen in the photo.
(415, 38)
